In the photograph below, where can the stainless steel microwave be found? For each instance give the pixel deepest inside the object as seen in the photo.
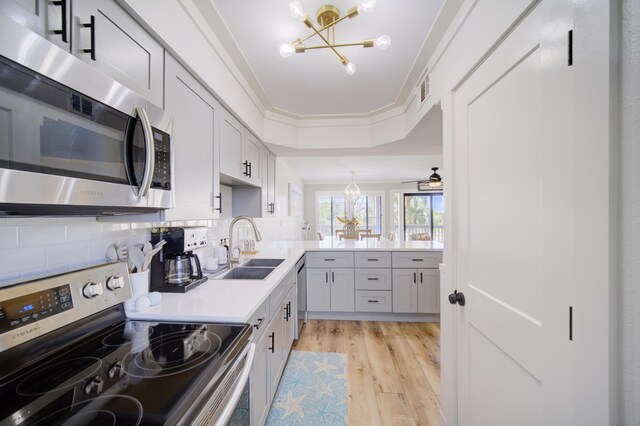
(73, 140)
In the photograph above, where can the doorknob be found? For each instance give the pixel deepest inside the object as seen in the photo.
(456, 297)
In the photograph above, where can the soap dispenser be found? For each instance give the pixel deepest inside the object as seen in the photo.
(221, 253)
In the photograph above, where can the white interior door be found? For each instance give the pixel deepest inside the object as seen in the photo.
(513, 150)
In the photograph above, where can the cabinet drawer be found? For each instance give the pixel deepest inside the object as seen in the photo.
(373, 301)
(330, 259)
(277, 295)
(376, 259)
(416, 259)
(259, 320)
(373, 279)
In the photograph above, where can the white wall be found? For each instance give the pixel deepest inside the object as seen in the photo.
(629, 184)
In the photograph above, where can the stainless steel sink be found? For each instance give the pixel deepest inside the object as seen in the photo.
(271, 263)
(242, 273)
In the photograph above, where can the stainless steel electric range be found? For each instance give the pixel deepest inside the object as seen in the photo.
(68, 355)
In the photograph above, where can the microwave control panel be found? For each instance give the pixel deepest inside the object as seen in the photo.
(162, 166)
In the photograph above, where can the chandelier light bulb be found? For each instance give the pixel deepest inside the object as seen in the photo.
(350, 68)
(382, 42)
(352, 191)
(296, 11)
(286, 50)
(367, 6)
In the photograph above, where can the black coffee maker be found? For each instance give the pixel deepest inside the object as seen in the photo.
(176, 269)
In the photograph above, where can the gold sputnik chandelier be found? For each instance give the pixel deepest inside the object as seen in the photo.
(328, 17)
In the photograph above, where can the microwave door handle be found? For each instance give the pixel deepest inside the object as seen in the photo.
(150, 156)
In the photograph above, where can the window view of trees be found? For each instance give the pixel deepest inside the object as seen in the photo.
(423, 217)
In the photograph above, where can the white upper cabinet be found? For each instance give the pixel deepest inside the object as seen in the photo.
(251, 158)
(268, 169)
(100, 33)
(107, 38)
(194, 145)
(49, 19)
(231, 136)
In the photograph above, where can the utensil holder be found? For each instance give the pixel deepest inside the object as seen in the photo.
(139, 287)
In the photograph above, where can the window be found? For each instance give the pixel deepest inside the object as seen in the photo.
(423, 215)
(368, 211)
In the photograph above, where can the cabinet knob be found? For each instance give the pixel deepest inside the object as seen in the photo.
(456, 297)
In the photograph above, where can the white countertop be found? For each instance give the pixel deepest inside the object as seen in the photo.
(236, 300)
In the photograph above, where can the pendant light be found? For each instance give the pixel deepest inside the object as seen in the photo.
(352, 192)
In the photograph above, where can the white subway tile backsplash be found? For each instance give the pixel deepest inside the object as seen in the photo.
(21, 259)
(66, 253)
(84, 232)
(36, 247)
(8, 237)
(40, 235)
(96, 250)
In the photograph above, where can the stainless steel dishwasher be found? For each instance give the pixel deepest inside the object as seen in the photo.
(302, 293)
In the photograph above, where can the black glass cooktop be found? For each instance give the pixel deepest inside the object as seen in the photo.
(122, 373)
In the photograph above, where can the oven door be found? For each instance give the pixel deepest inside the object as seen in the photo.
(229, 404)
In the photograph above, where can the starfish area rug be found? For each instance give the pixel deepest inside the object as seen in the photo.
(312, 391)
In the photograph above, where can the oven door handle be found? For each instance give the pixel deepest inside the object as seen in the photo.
(226, 413)
(150, 152)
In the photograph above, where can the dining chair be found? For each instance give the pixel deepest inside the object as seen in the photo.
(320, 237)
(391, 236)
(373, 236)
(348, 237)
(364, 231)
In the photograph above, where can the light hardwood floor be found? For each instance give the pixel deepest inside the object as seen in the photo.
(393, 368)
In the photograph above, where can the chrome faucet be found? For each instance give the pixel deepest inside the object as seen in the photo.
(256, 233)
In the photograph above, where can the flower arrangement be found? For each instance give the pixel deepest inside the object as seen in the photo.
(350, 225)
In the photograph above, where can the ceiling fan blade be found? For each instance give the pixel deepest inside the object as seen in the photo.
(412, 181)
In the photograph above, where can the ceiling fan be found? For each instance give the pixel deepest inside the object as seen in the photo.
(434, 182)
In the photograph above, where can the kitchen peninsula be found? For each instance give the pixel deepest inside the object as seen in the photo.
(238, 300)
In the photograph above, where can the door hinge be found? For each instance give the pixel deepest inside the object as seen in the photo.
(570, 48)
(571, 323)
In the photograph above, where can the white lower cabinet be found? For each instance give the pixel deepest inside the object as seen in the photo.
(330, 290)
(272, 349)
(405, 290)
(415, 291)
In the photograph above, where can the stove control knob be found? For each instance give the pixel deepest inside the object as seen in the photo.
(116, 370)
(92, 289)
(94, 386)
(115, 282)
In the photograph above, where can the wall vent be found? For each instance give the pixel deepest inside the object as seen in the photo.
(423, 90)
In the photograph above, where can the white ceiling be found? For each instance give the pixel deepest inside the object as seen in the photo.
(408, 159)
(315, 83)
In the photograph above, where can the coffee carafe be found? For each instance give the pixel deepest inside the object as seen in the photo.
(176, 269)
(180, 270)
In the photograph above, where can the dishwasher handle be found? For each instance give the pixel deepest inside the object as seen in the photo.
(226, 413)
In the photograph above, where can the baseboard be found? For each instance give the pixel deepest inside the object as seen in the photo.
(374, 316)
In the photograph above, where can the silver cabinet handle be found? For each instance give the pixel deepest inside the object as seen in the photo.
(373, 260)
(417, 260)
(373, 279)
(373, 301)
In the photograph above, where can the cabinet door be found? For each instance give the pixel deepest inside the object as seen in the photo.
(231, 146)
(288, 325)
(343, 290)
(251, 155)
(264, 165)
(428, 300)
(123, 49)
(318, 290)
(259, 382)
(405, 290)
(193, 111)
(271, 183)
(42, 17)
(274, 353)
